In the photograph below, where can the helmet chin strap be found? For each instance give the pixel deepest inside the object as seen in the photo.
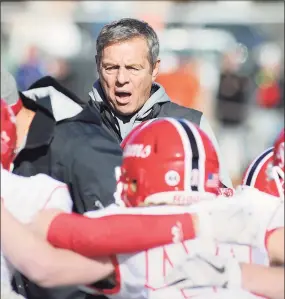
(179, 198)
(277, 173)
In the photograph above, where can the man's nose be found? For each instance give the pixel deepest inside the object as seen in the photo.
(122, 76)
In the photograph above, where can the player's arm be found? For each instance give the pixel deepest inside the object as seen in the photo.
(43, 264)
(150, 227)
(122, 231)
(275, 245)
(265, 281)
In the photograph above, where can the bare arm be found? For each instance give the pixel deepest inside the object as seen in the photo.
(262, 280)
(43, 264)
(275, 245)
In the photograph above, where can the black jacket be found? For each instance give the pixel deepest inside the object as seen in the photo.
(74, 150)
(71, 147)
(159, 110)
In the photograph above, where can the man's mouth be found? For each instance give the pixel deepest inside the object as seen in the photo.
(123, 97)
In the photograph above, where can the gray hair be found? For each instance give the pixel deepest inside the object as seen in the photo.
(126, 29)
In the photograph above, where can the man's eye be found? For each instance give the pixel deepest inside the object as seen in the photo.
(110, 68)
(133, 68)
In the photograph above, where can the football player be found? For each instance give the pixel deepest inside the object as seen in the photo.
(178, 170)
(23, 197)
(266, 174)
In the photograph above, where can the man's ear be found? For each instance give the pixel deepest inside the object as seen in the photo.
(155, 70)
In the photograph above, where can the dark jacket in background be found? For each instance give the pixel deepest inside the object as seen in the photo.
(66, 141)
(232, 99)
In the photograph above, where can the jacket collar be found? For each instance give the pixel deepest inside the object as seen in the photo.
(123, 125)
(41, 131)
(89, 114)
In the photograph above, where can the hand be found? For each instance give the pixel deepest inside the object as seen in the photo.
(239, 220)
(204, 270)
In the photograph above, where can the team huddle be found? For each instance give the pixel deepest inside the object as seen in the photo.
(174, 231)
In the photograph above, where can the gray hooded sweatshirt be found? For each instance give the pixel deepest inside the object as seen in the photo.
(158, 105)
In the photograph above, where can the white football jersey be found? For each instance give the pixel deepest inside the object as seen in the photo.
(173, 293)
(141, 275)
(25, 196)
(250, 193)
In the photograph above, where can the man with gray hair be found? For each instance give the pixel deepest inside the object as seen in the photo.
(126, 93)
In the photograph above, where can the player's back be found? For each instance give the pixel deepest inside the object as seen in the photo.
(24, 196)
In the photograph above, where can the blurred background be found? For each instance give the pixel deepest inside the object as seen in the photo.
(225, 58)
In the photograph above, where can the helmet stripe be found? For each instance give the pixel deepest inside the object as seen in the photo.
(255, 166)
(194, 150)
(202, 154)
(187, 152)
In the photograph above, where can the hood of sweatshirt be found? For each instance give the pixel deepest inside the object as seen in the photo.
(127, 123)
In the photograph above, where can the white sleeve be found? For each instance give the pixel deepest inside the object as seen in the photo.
(60, 199)
(153, 210)
(6, 271)
(224, 174)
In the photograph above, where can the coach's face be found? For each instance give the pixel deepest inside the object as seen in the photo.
(126, 75)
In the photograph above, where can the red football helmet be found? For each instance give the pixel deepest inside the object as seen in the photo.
(8, 135)
(123, 144)
(266, 172)
(168, 161)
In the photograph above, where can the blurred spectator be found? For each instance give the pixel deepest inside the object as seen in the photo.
(281, 84)
(232, 96)
(182, 85)
(268, 104)
(232, 100)
(269, 90)
(79, 76)
(31, 70)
